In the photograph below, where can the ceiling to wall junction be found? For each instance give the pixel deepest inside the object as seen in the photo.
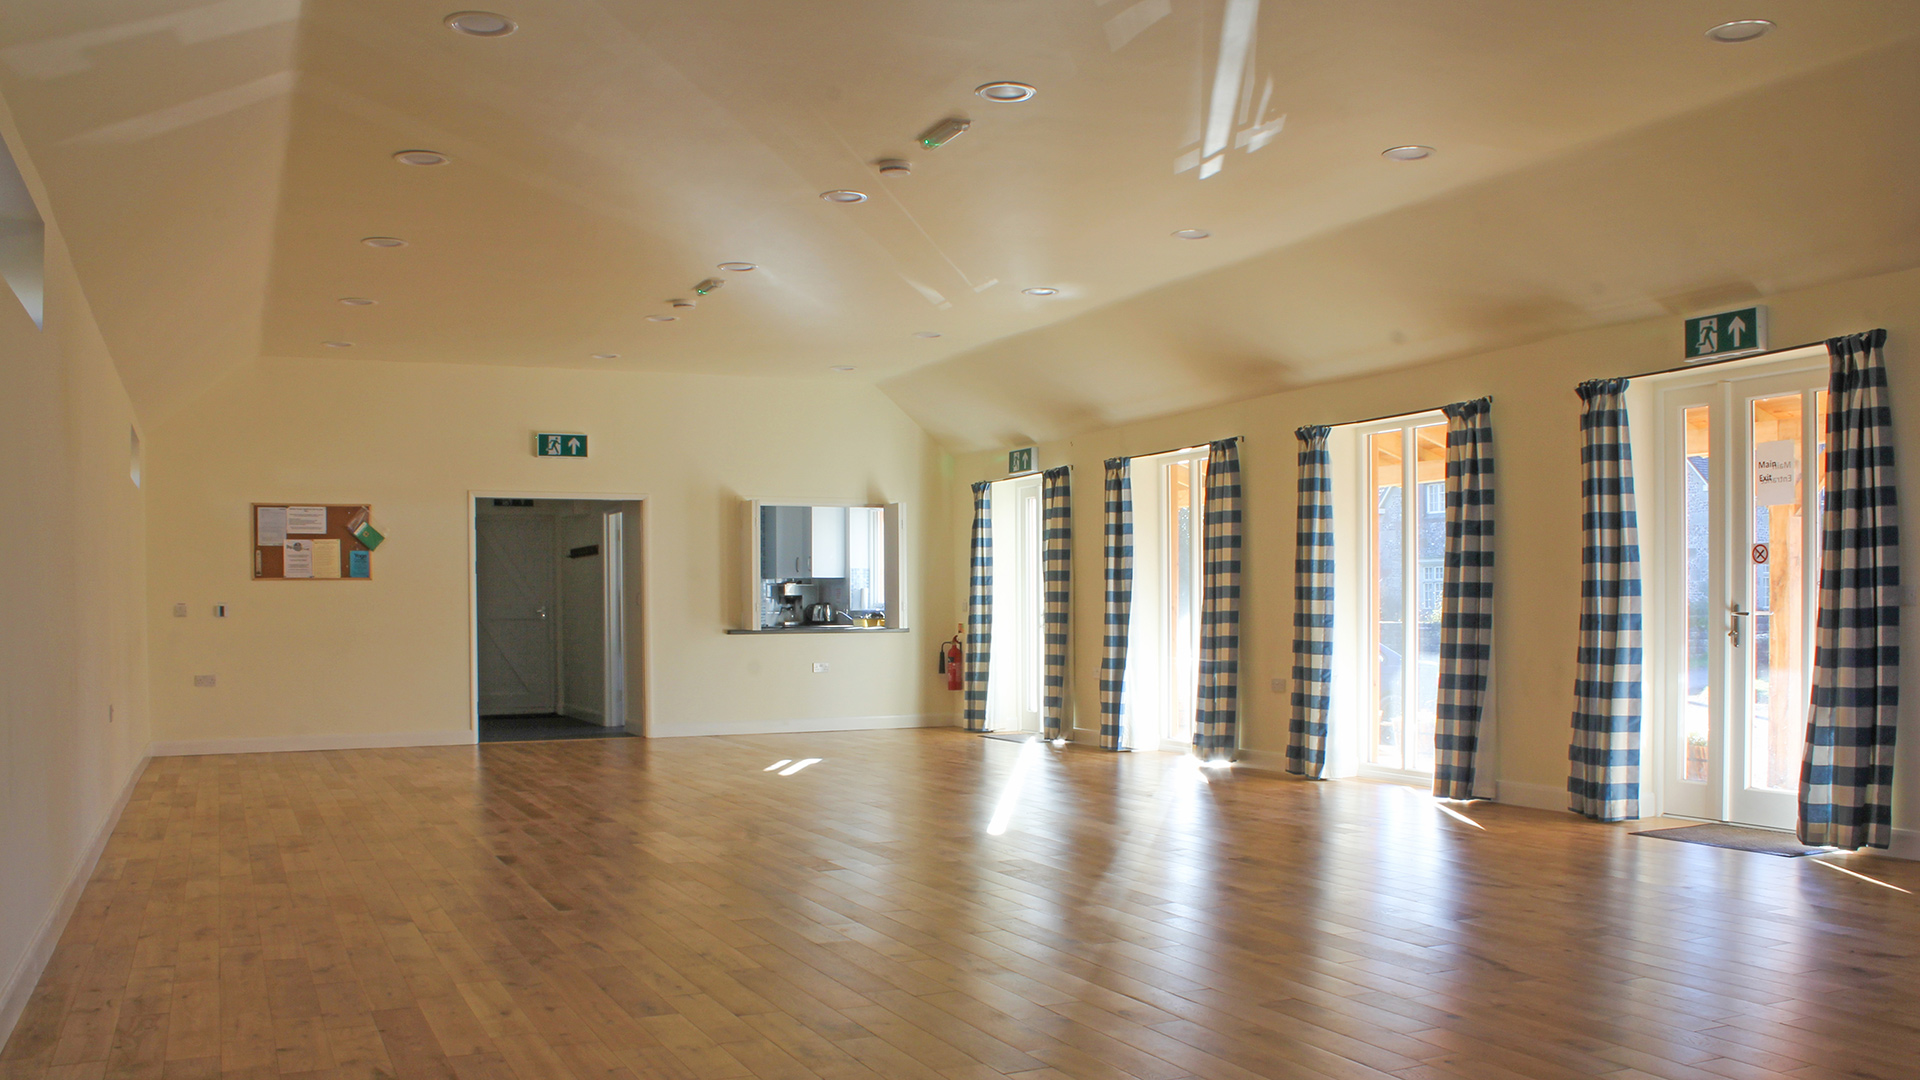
(214, 168)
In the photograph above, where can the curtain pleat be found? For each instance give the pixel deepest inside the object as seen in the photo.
(1056, 562)
(1604, 781)
(1846, 772)
(1466, 604)
(1117, 606)
(979, 608)
(1312, 609)
(1217, 705)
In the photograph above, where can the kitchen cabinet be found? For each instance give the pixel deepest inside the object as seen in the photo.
(786, 542)
(829, 542)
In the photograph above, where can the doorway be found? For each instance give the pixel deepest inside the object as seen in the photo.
(1014, 678)
(1163, 657)
(1740, 460)
(551, 617)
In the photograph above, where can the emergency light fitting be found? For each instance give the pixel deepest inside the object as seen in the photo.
(944, 132)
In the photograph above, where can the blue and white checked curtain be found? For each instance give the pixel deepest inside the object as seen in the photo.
(1217, 694)
(1463, 723)
(1118, 605)
(1604, 782)
(1312, 609)
(979, 607)
(1846, 774)
(1056, 572)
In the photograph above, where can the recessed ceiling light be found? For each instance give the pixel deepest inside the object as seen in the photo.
(1040, 290)
(606, 356)
(842, 367)
(1192, 234)
(481, 23)
(1733, 33)
(926, 333)
(356, 301)
(737, 267)
(338, 344)
(383, 241)
(662, 318)
(1406, 153)
(1008, 92)
(420, 157)
(844, 196)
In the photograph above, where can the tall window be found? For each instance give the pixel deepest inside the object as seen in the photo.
(1403, 579)
(1014, 678)
(1163, 657)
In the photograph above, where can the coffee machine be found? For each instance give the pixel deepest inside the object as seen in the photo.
(793, 603)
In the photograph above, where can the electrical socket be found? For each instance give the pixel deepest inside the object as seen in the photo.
(1280, 686)
(179, 611)
(203, 680)
(819, 668)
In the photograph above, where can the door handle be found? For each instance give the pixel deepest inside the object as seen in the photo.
(540, 611)
(1733, 631)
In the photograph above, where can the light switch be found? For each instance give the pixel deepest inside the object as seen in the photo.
(819, 668)
(219, 611)
(1279, 686)
(179, 611)
(203, 680)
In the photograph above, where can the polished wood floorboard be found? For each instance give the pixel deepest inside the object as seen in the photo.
(670, 909)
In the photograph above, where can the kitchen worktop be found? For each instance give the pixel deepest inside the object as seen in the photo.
(824, 629)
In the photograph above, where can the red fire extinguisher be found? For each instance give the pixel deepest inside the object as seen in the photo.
(951, 662)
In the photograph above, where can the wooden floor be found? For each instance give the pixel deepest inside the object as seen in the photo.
(626, 908)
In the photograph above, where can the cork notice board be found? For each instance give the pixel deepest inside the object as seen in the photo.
(331, 553)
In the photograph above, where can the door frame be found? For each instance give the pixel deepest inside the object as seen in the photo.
(1664, 569)
(1029, 584)
(639, 640)
(1365, 590)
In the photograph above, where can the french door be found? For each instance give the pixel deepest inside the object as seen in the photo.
(1404, 507)
(1741, 482)
(1014, 678)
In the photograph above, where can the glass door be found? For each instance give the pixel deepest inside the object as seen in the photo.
(1014, 678)
(1742, 472)
(1404, 579)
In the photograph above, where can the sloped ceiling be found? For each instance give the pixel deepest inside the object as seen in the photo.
(214, 167)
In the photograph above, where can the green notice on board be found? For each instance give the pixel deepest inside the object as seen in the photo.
(368, 535)
(559, 444)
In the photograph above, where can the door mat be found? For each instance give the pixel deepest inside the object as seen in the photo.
(1739, 838)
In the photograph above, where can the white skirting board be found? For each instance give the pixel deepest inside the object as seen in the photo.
(772, 726)
(280, 744)
(1535, 796)
(25, 975)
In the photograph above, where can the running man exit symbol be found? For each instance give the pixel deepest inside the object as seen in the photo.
(559, 444)
(1727, 333)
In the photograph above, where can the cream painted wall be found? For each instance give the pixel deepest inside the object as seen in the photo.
(389, 658)
(73, 642)
(1536, 424)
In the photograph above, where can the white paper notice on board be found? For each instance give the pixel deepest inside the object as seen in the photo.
(307, 520)
(1776, 472)
(270, 525)
(299, 559)
(326, 558)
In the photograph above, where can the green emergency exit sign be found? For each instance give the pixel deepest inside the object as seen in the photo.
(559, 444)
(1727, 333)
